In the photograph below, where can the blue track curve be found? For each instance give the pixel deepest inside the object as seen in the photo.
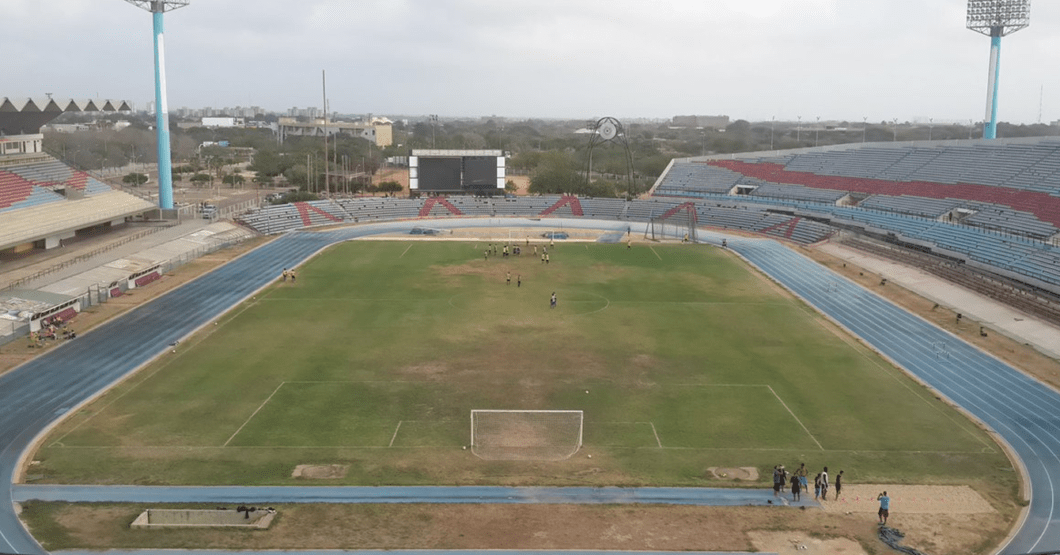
(1021, 410)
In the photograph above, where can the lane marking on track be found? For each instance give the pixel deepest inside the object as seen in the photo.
(261, 406)
(7, 541)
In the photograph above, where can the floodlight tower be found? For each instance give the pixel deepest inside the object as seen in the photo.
(995, 19)
(165, 164)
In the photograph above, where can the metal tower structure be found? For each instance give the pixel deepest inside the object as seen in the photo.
(995, 19)
(607, 130)
(165, 163)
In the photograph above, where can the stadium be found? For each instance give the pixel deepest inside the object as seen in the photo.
(463, 370)
(953, 209)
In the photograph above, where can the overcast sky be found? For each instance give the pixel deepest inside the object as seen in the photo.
(750, 59)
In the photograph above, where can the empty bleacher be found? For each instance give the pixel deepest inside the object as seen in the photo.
(910, 205)
(42, 198)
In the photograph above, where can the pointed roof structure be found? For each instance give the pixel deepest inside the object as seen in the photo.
(25, 116)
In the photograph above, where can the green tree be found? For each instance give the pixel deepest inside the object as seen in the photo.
(134, 179)
(555, 173)
(390, 187)
(233, 179)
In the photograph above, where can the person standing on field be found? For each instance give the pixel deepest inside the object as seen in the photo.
(801, 473)
(885, 507)
(824, 484)
(509, 280)
(838, 484)
(552, 301)
(796, 488)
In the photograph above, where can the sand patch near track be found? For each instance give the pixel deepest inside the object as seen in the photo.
(909, 500)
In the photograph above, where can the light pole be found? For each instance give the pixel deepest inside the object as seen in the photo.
(165, 164)
(434, 121)
(772, 124)
(817, 131)
(864, 127)
(931, 124)
(798, 132)
(995, 19)
(895, 129)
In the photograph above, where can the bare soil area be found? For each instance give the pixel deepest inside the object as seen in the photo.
(625, 527)
(320, 471)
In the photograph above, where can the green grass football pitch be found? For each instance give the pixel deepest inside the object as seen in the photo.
(681, 357)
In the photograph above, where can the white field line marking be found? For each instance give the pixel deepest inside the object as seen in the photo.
(653, 250)
(411, 447)
(819, 446)
(406, 250)
(392, 438)
(892, 372)
(261, 406)
(656, 434)
(58, 442)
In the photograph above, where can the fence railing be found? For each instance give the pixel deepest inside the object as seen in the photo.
(82, 257)
(98, 294)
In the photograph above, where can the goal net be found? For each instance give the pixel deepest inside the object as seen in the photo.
(678, 223)
(526, 435)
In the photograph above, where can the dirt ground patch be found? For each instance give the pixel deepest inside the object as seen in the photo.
(743, 473)
(320, 471)
(623, 527)
(784, 543)
(907, 499)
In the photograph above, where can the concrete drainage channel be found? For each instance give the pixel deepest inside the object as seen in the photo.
(204, 518)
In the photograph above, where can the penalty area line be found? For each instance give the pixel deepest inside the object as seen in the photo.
(406, 250)
(392, 438)
(785, 405)
(655, 253)
(253, 414)
(656, 434)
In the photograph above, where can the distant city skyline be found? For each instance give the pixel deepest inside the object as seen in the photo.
(754, 60)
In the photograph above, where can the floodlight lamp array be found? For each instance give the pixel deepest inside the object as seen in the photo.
(998, 17)
(155, 6)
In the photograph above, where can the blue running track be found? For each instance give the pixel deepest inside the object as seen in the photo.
(32, 397)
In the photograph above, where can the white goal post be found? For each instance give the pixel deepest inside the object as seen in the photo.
(526, 435)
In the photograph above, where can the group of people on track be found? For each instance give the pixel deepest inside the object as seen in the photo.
(799, 480)
(799, 483)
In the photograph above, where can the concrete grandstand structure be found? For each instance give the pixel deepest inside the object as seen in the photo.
(42, 200)
(992, 205)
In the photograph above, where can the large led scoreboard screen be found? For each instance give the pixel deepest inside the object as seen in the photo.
(457, 171)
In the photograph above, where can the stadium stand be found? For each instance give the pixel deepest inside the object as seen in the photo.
(282, 218)
(42, 200)
(994, 205)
